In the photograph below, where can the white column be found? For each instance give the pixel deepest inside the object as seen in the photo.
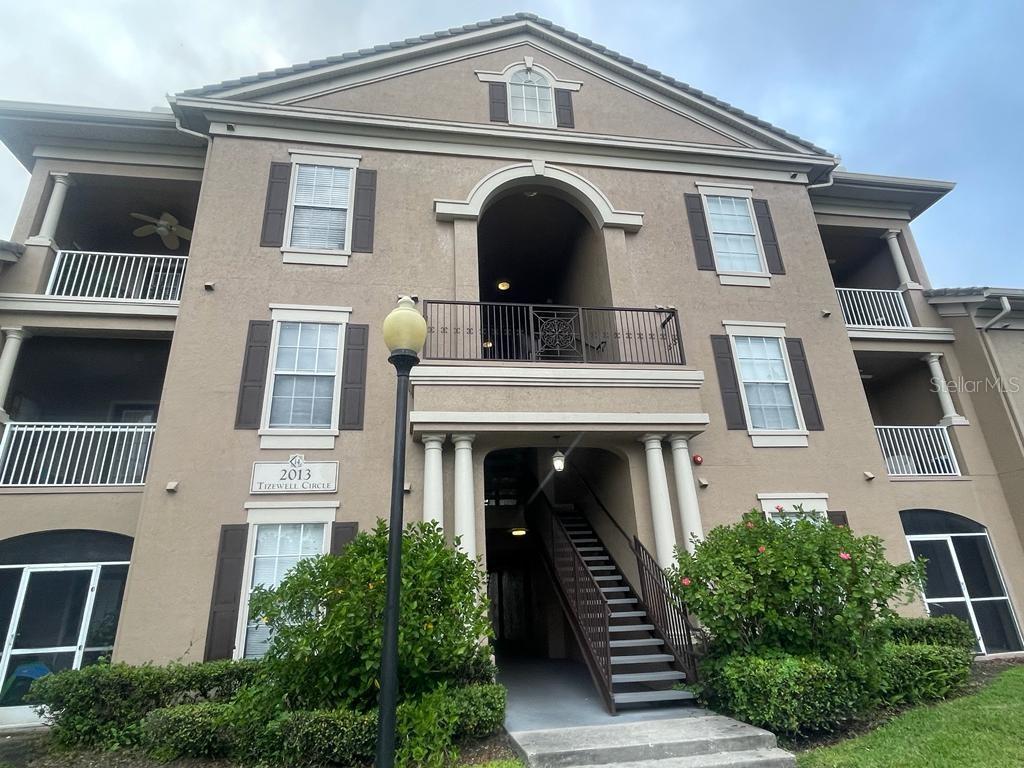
(661, 504)
(949, 414)
(899, 260)
(61, 182)
(686, 492)
(433, 484)
(465, 504)
(8, 358)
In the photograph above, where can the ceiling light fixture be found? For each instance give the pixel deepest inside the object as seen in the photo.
(518, 531)
(487, 344)
(504, 285)
(558, 461)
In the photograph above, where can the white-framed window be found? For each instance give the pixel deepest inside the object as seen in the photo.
(735, 239)
(767, 388)
(280, 535)
(303, 389)
(318, 222)
(783, 507)
(531, 91)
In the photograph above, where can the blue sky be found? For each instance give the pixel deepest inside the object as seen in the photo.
(911, 88)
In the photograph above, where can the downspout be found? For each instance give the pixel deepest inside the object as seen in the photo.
(1004, 303)
(831, 178)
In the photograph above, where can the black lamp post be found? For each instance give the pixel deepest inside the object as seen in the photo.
(405, 331)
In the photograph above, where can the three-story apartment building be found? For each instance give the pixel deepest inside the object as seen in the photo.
(691, 311)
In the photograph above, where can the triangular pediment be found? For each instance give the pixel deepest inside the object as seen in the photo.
(444, 77)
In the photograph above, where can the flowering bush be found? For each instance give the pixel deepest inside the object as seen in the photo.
(802, 587)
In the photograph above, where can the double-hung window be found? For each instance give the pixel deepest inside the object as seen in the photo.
(735, 238)
(303, 388)
(319, 216)
(767, 383)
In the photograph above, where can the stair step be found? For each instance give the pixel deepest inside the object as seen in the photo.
(622, 600)
(768, 757)
(593, 558)
(615, 589)
(632, 628)
(601, 567)
(646, 697)
(584, 540)
(628, 614)
(644, 658)
(589, 549)
(617, 577)
(643, 642)
(648, 677)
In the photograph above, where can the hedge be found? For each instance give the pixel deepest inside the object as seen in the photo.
(195, 730)
(913, 673)
(940, 630)
(103, 705)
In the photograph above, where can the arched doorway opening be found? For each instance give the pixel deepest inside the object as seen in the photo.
(962, 576)
(60, 602)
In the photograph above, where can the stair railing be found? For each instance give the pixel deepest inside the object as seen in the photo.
(589, 608)
(665, 611)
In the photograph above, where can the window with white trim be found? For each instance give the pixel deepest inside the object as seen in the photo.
(276, 549)
(734, 236)
(787, 507)
(766, 383)
(530, 98)
(306, 362)
(320, 202)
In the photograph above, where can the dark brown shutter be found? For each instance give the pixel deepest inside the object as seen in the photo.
(498, 95)
(353, 376)
(699, 231)
(728, 382)
(804, 385)
(254, 375)
(341, 535)
(277, 204)
(772, 254)
(227, 592)
(363, 211)
(563, 108)
(838, 517)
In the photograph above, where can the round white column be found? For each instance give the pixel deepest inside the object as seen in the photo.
(465, 504)
(898, 260)
(949, 414)
(54, 207)
(8, 358)
(661, 503)
(686, 492)
(433, 483)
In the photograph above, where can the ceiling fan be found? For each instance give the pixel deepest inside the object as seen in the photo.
(166, 226)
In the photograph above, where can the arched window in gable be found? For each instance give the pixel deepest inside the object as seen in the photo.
(530, 98)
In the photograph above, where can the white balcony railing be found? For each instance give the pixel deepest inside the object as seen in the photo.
(117, 276)
(874, 308)
(917, 451)
(48, 453)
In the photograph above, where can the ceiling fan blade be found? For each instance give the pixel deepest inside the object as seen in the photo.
(168, 219)
(183, 232)
(170, 240)
(144, 217)
(144, 230)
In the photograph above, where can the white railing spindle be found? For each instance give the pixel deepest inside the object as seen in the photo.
(917, 451)
(117, 276)
(867, 307)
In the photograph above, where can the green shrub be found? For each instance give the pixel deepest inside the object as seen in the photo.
(479, 710)
(940, 630)
(104, 704)
(187, 730)
(783, 693)
(804, 588)
(325, 737)
(327, 616)
(913, 673)
(427, 728)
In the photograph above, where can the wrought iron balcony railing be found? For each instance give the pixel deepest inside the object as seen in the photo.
(467, 330)
(117, 276)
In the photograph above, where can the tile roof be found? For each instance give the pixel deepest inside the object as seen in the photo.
(208, 90)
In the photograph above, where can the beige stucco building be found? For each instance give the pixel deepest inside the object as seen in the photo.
(702, 311)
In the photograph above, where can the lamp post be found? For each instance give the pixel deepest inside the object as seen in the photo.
(405, 331)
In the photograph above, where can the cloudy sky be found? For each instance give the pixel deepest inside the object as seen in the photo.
(926, 89)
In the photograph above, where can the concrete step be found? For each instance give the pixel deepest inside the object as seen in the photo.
(642, 642)
(595, 558)
(601, 567)
(628, 614)
(582, 538)
(621, 600)
(648, 677)
(771, 757)
(615, 589)
(632, 628)
(644, 658)
(651, 697)
(589, 549)
(702, 738)
(616, 577)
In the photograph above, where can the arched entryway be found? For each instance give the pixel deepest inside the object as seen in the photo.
(60, 601)
(962, 576)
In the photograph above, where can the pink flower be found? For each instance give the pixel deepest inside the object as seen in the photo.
(750, 524)
(844, 555)
(779, 508)
(761, 549)
(686, 581)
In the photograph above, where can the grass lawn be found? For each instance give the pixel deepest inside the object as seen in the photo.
(983, 730)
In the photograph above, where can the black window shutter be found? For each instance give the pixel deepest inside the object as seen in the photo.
(699, 232)
(276, 208)
(728, 382)
(498, 96)
(804, 385)
(838, 517)
(363, 211)
(772, 254)
(563, 108)
(341, 535)
(254, 375)
(353, 376)
(227, 592)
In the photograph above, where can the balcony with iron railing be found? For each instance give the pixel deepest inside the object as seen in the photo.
(549, 333)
